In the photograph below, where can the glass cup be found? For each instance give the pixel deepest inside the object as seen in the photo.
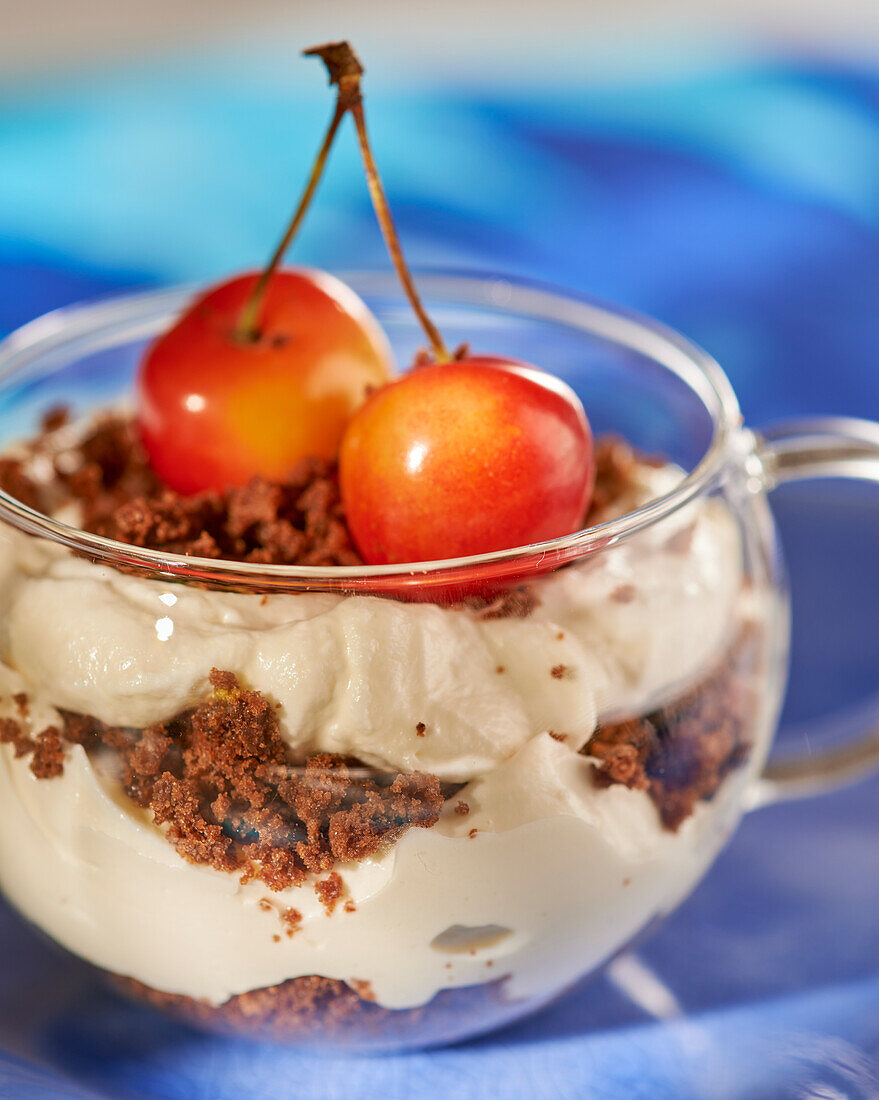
(414, 802)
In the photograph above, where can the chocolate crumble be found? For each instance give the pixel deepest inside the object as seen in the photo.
(681, 753)
(292, 919)
(314, 1009)
(329, 891)
(220, 778)
(48, 758)
(46, 749)
(298, 521)
(616, 469)
(11, 733)
(105, 472)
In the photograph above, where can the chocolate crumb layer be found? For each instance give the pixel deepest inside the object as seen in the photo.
(329, 891)
(105, 472)
(297, 521)
(292, 919)
(48, 759)
(616, 472)
(220, 779)
(681, 753)
(45, 750)
(12, 733)
(315, 1009)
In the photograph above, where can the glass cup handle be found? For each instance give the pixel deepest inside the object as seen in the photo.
(798, 451)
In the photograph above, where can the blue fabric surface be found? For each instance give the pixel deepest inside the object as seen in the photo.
(742, 207)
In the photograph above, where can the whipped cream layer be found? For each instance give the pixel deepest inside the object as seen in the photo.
(559, 873)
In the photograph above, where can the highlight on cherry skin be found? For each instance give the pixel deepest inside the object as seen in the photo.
(216, 409)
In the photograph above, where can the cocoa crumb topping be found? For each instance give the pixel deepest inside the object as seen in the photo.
(46, 749)
(22, 704)
(316, 1008)
(681, 753)
(420, 729)
(219, 778)
(616, 469)
(349, 906)
(462, 808)
(11, 733)
(472, 833)
(329, 891)
(298, 521)
(292, 919)
(558, 672)
(48, 758)
(58, 416)
(16, 482)
(562, 737)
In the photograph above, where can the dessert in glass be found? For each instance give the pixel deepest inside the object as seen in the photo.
(276, 772)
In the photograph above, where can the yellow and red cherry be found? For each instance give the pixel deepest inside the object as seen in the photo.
(216, 409)
(462, 458)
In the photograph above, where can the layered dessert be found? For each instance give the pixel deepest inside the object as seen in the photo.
(290, 804)
(311, 812)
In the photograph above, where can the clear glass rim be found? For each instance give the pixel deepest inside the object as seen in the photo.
(501, 294)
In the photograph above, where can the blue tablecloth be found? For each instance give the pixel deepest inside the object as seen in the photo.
(741, 206)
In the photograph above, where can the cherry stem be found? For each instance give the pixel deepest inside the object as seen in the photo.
(392, 240)
(247, 328)
(345, 70)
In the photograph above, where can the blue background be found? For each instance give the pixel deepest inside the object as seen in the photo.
(740, 205)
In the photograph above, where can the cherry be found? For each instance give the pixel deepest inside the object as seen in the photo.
(262, 370)
(464, 458)
(215, 409)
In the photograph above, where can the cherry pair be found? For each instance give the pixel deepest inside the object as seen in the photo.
(463, 455)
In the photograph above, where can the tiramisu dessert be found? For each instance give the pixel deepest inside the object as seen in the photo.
(374, 818)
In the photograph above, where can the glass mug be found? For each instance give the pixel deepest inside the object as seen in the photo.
(536, 752)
